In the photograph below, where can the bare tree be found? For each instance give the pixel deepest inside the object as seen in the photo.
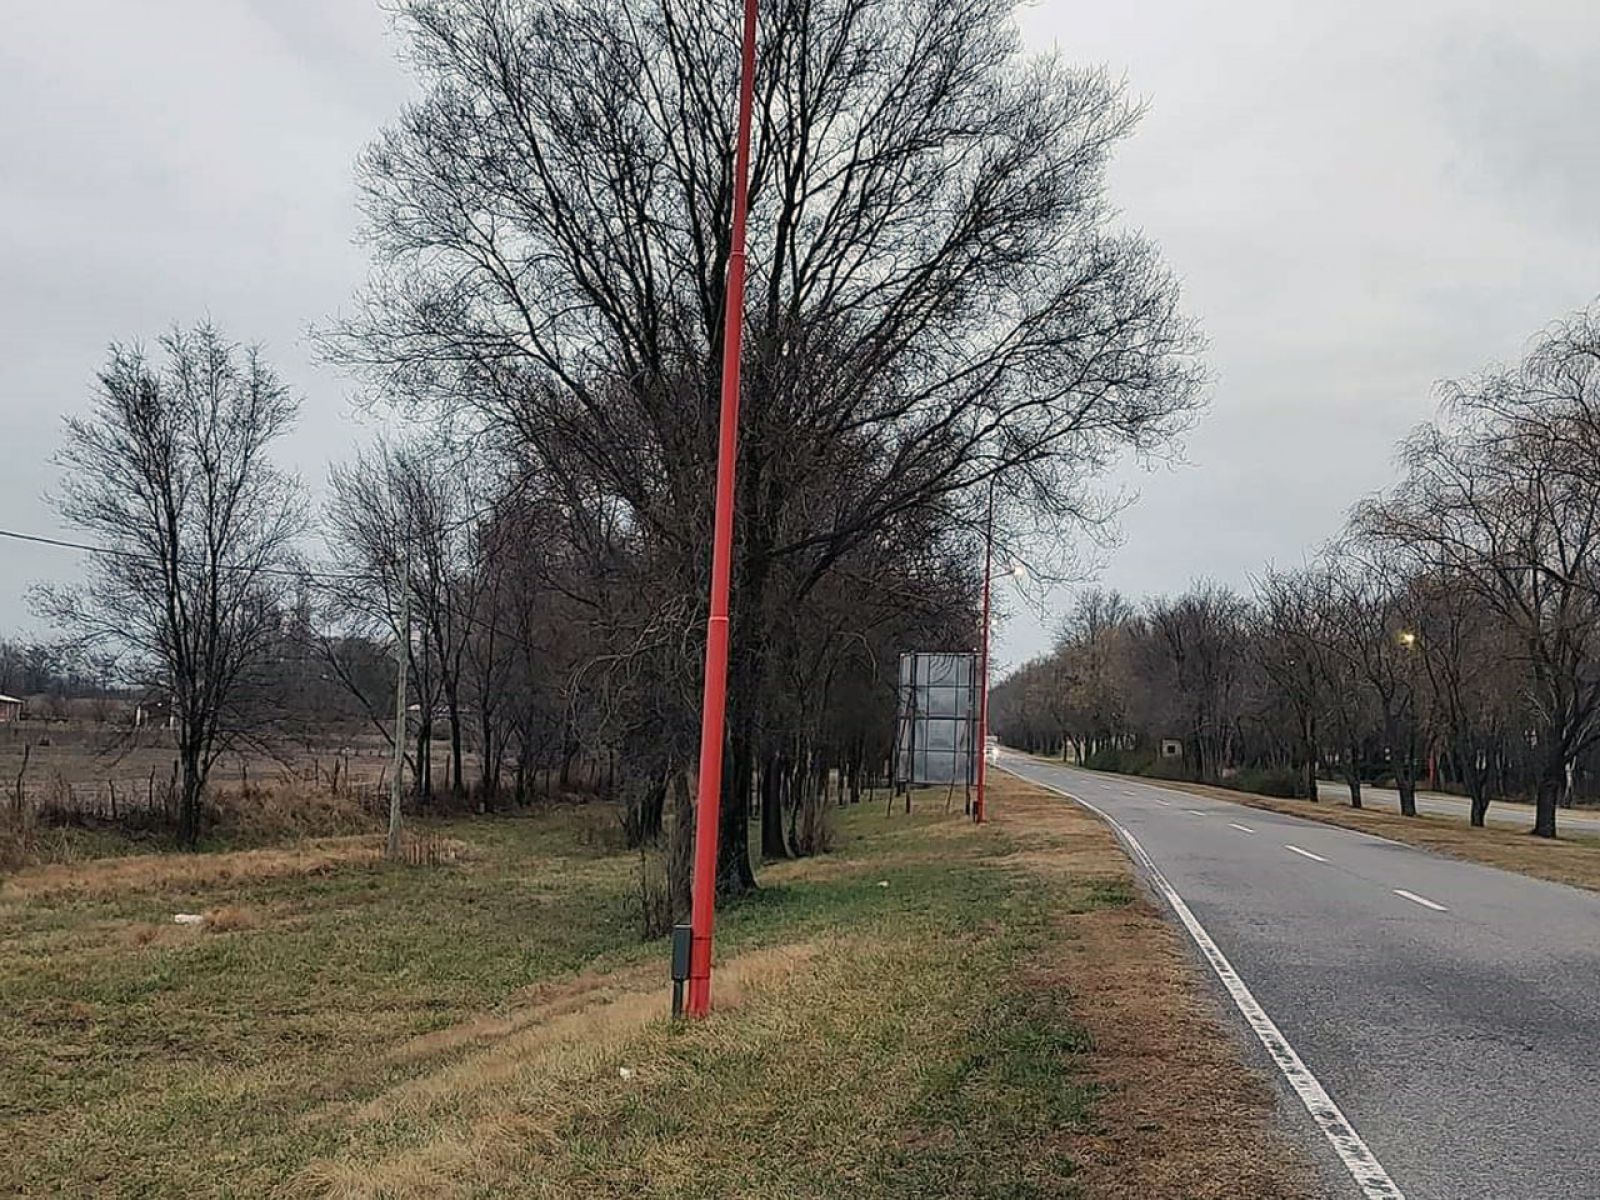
(1472, 680)
(169, 471)
(1290, 652)
(1369, 635)
(1501, 497)
(401, 519)
(1196, 651)
(935, 296)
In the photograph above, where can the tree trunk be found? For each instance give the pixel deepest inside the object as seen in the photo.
(1480, 809)
(1408, 796)
(458, 783)
(680, 846)
(1552, 780)
(1352, 775)
(734, 876)
(772, 847)
(189, 806)
(424, 760)
(569, 751)
(653, 811)
(1476, 781)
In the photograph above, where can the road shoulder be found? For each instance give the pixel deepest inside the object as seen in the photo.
(1181, 1111)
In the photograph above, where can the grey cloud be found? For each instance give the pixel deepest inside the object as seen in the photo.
(1360, 197)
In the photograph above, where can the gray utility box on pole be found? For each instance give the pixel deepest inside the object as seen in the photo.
(936, 722)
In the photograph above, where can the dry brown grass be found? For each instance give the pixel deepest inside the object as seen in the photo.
(1570, 860)
(884, 1043)
(99, 878)
(1182, 1115)
(505, 1101)
(284, 811)
(231, 918)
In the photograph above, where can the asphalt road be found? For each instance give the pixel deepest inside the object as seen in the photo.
(1451, 1011)
(1442, 804)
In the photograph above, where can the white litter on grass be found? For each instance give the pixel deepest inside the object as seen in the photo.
(188, 919)
(883, 883)
(625, 1072)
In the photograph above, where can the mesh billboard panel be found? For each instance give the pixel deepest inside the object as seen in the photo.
(937, 718)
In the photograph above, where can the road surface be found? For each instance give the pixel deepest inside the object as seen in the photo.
(1449, 1012)
(1573, 820)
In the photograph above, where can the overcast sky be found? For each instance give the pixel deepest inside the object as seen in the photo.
(1360, 198)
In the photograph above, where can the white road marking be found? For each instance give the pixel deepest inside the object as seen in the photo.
(1307, 853)
(1240, 828)
(1168, 803)
(1348, 1144)
(1422, 900)
(1195, 812)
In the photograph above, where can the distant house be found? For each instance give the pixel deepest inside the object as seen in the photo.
(10, 709)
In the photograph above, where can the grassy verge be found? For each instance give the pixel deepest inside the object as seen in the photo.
(1571, 859)
(934, 1010)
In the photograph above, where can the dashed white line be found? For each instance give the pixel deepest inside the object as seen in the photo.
(1347, 1143)
(1307, 853)
(1240, 828)
(1422, 900)
(1195, 812)
(1167, 803)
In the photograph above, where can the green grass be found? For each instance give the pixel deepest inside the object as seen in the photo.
(912, 1054)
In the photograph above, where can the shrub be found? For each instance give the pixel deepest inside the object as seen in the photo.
(1107, 758)
(1283, 782)
(1168, 768)
(1124, 761)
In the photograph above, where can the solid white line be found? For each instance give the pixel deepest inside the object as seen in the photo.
(1422, 900)
(1240, 828)
(1307, 853)
(1362, 1164)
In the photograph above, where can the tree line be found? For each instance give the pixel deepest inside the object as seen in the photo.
(937, 303)
(1451, 630)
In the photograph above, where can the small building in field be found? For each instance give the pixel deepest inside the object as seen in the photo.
(10, 709)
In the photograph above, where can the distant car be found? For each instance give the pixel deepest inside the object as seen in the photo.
(992, 751)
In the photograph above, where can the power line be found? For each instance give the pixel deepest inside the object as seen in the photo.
(140, 556)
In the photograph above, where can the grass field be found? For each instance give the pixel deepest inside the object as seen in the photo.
(933, 1010)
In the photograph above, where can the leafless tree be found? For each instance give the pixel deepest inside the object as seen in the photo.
(1472, 676)
(1371, 639)
(1195, 650)
(1290, 652)
(1501, 496)
(935, 296)
(169, 472)
(400, 519)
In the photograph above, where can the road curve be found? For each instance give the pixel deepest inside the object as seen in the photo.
(1449, 1011)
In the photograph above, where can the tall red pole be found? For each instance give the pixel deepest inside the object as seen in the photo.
(709, 801)
(980, 810)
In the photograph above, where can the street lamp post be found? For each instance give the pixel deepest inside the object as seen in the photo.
(714, 707)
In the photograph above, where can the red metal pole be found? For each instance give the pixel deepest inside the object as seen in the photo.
(980, 810)
(709, 801)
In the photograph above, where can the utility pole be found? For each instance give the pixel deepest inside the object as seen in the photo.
(708, 802)
(403, 657)
(980, 810)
